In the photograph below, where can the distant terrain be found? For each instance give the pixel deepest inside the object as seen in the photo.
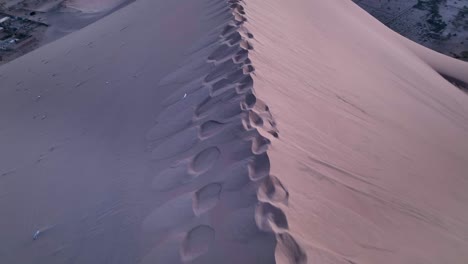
(441, 25)
(28, 24)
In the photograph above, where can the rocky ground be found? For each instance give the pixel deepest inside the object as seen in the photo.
(34, 23)
(441, 25)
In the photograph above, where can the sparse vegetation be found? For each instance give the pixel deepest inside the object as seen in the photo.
(464, 54)
(441, 25)
(435, 19)
(461, 19)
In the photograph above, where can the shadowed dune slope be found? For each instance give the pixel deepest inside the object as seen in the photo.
(212, 131)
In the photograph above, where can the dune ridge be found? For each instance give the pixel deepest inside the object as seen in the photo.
(217, 122)
(213, 131)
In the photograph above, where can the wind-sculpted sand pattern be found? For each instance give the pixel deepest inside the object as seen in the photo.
(223, 205)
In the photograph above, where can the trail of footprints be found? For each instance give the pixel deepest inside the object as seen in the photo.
(233, 200)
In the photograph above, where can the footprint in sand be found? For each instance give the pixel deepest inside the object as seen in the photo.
(212, 102)
(260, 144)
(245, 85)
(240, 56)
(248, 69)
(234, 39)
(229, 29)
(206, 198)
(259, 167)
(239, 18)
(210, 128)
(236, 76)
(227, 112)
(197, 242)
(249, 101)
(245, 44)
(288, 250)
(270, 218)
(221, 70)
(223, 52)
(255, 119)
(273, 190)
(204, 160)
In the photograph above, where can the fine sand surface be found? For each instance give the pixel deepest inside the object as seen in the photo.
(213, 131)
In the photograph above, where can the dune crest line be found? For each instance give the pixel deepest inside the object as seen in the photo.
(220, 157)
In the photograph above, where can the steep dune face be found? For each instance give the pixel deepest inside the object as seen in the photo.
(266, 132)
(371, 143)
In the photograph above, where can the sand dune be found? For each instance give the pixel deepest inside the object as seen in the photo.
(246, 132)
(370, 135)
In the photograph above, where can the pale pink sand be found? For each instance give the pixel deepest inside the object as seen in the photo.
(372, 141)
(213, 131)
